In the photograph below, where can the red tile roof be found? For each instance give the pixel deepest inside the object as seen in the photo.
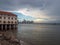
(7, 13)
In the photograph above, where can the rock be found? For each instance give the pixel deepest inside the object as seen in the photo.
(1, 35)
(7, 38)
(4, 42)
(23, 42)
(0, 43)
(14, 40)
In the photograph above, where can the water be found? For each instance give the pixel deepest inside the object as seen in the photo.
(36, 34)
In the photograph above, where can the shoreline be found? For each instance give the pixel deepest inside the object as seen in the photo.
(7, 38)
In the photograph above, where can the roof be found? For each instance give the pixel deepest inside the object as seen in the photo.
(7, 13)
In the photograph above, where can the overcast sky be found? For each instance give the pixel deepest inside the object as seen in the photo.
(38, 10)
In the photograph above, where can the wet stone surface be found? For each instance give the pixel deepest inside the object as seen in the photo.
(8, 38)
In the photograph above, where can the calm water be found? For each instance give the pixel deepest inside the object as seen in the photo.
(36, 34)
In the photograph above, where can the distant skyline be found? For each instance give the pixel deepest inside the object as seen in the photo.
(37, 10)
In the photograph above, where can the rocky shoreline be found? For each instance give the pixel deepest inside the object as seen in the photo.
(7, 38)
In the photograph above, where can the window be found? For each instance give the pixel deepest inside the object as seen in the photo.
(15, 18)
(0, 17)
(0, 21)
(4, 22)
(12, 22)
(4, 17)
(8, 21)
(15, 22)
(11, 18)
(8, 17)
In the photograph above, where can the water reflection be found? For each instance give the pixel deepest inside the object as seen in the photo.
(36, 34)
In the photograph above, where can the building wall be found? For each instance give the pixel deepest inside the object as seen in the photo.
(6, 19)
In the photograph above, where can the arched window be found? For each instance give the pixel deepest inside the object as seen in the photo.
(8, 17)
(4, 21)
(15, 22)
(12, 18)
(4, 17)
(12, 22)
(0, 21)
(8, 21)
(15, 18)
(0, 17)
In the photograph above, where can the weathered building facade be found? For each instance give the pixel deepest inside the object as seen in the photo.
(8, 20)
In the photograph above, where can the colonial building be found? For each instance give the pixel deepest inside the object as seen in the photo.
(8, 20)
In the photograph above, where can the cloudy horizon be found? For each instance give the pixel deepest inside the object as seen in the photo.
(36, 10)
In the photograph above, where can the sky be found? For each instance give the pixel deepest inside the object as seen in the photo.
(40, 11)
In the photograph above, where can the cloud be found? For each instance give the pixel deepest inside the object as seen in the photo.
(36, 13)
(43, 9)
(40, 20)
(13, 4)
